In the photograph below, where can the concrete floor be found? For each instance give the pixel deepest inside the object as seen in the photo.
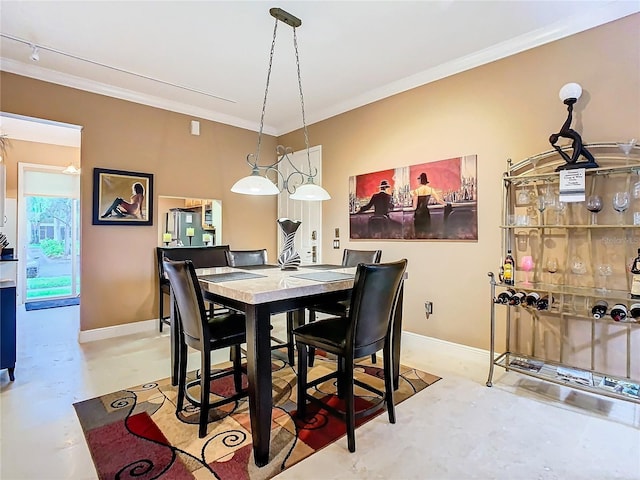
(458, 428)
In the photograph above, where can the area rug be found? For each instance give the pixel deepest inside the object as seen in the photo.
(136, 433)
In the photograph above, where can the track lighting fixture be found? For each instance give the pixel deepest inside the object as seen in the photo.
(35, 53)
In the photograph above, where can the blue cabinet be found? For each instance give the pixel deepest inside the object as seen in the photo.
(8, 327)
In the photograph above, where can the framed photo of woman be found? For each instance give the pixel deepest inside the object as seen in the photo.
(122, 198)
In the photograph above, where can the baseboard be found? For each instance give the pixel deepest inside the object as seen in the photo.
(118, 330)
(439, 347)
(410, 340)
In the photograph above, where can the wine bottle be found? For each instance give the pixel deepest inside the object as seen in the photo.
(619, 312)
(532, 299)
(634, 311)
(599, 309)
(545, 302)
(509, 267)
(505, 296)
(635, 272)
(517, 298)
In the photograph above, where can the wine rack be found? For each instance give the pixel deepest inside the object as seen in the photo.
(577, 257)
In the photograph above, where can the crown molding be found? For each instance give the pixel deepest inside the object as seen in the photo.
(561, 29)
(52, 76)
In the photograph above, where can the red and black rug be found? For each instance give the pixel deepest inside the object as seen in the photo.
(136, 433)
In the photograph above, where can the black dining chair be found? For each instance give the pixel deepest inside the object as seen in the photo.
(202, 257)
(367, 330)
(246, 258)
(350, 258)
(205, 334)
(250, 258)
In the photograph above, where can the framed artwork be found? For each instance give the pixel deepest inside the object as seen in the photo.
(122, 198)
(427, 201)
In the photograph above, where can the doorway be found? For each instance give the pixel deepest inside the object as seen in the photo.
(49, 233)
(308, 239)
(43, 201)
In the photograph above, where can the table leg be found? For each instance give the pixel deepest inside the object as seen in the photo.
(259, 373)
(396, 337)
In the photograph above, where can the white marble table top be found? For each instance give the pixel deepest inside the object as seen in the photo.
(275, 284)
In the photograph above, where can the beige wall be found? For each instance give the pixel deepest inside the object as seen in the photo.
(118, 263)
(20, 151)
(506, 109)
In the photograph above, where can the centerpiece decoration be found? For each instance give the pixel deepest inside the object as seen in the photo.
(289, 259)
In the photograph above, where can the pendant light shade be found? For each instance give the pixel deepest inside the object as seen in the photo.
(255, 184)
(310, 192)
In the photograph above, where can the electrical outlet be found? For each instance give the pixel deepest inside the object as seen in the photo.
(336, 244)
(428, 308)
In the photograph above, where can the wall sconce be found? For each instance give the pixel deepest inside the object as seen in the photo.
(569, 94)
(259, 184)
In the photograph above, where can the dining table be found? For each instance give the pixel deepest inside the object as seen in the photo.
(261, 291)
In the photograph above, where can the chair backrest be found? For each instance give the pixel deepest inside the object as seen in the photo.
(202, 257)
(187, 295)
(246, 258)
(351, 258)
(373, 301)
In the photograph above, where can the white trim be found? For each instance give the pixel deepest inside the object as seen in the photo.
(117, 331)
(440, 348)
(59, 78)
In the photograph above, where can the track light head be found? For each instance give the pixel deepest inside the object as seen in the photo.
(35, 53)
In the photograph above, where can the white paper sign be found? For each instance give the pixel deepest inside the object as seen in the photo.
(188, 218)
(572, 185)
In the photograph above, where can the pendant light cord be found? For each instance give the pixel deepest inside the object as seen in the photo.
(266, 92)
(304, 121)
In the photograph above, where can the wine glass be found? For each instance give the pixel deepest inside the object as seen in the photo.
(523, 197)
(626, 147)
(527, 265)
(541, 204)
(577, 266)
(621, 203)
(552, 267)
(605, 271)
(594, 205)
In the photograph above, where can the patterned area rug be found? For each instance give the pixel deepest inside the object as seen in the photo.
(136, 433)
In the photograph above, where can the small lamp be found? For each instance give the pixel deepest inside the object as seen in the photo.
(569, 94)
(166, 238)
(190, 233)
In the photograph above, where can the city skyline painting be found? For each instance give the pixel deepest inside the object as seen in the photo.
(426, 201)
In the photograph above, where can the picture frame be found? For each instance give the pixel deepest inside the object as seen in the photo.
(122, 198)
(435, 200)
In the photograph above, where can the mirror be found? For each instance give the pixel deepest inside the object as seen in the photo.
(189, 221)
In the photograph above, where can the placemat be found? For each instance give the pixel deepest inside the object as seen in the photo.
(257, 267)
(230, 276)
(325, 276)
(322, 266)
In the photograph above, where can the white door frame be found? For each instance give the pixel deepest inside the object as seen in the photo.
(21, 283)
(309, 213)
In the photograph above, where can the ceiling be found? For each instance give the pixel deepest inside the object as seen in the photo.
(209, 59)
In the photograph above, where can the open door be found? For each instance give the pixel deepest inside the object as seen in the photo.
(308, 240)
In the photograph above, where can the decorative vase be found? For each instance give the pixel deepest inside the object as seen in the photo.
(288, 259)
